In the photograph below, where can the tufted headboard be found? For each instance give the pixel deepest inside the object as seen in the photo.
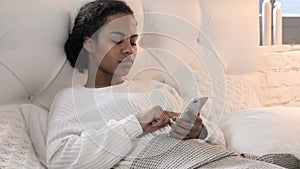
(33, 65)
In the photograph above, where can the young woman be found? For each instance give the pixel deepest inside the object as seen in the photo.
(107, 122)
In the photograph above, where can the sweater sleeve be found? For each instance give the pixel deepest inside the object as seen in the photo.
(69, 145)
(212, 134)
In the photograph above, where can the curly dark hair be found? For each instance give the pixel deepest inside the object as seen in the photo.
(91, 17)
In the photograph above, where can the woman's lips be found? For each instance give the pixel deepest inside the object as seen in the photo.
(128, 61)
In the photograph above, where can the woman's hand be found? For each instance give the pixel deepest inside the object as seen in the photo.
(155, 119)
(187, 130)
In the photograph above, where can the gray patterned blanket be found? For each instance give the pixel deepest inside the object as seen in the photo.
(166, 152)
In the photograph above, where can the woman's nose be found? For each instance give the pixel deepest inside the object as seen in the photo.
(127, 47)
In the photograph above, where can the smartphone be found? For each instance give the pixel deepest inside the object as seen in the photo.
(194, 104)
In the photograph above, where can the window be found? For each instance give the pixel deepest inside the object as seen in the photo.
(290, 6)
(290, 20)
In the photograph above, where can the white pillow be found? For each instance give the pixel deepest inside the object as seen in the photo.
(36, 121)
(263, 130)
(238, 92)
(15, 145)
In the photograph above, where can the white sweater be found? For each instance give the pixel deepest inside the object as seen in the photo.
(97, 128)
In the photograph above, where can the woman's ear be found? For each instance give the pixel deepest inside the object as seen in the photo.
(89, 44)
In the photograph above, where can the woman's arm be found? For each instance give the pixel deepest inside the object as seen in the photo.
(69, 145)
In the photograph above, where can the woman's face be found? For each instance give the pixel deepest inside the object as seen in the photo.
(115, 48)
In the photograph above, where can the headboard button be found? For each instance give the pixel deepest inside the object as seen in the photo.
(30, 98)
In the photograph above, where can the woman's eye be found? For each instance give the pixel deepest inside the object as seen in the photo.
(117, 41)
(133, 43)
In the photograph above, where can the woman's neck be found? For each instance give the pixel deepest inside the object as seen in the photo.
(102, 79)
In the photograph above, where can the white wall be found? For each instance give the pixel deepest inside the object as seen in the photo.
(279, 74)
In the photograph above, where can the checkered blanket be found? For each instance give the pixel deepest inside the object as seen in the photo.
(166, 152)
(284, 160)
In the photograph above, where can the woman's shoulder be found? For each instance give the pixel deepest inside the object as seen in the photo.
(69, 92)
(68, 97)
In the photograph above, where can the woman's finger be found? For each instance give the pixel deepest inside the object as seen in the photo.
(172, 114)
(178, 129)
(159, 122)
(174, 134)
(192, 114)
(162, 121)
(198, 121)
(183, 124)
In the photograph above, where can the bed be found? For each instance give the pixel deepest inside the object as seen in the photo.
(211, 49)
